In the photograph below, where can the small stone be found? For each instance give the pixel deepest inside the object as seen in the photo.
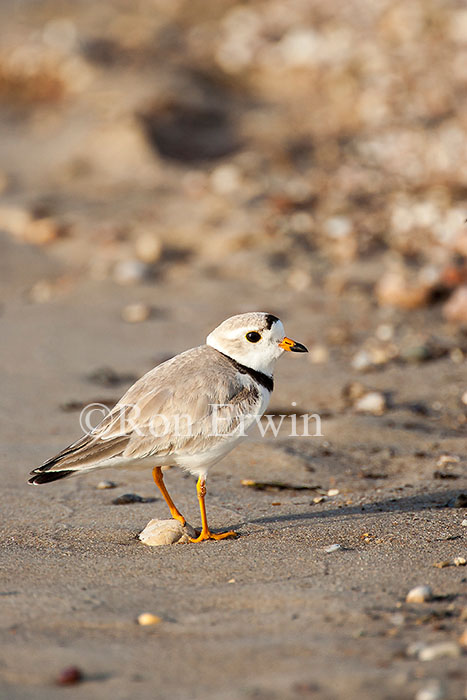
(361, 361)
(416, 354)
(432, 691)
(319, 499)
(128, 498)
(69, 676)
(457, 356)
(106, 485)
(442, 650)
(162, 532)
(460, 561)
(353, 391)
(374, 402)
(148, 247)
(333, 548)
(14, 220)
(333, 492)
(136, 313)
(225, 179)
(129, 272)
(460, 501)
(455, 309)
(385, 332)
(395, 289)
(41, 231)
(463, 639)
(419, 594)
(148, 619)
(464, 522)
(447, 459)
(441, 564)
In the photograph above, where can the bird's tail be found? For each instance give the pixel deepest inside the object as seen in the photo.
(46, 477)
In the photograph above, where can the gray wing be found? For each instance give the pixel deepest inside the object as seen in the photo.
(169, 410)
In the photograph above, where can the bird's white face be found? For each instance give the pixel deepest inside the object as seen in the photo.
(255, 340)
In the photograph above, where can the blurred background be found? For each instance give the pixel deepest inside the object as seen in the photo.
(294, 150)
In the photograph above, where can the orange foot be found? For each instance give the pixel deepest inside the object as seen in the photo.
(207, 535)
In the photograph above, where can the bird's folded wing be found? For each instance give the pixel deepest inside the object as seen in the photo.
(166, 411)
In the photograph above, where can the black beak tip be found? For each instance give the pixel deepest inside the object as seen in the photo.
(298, 347)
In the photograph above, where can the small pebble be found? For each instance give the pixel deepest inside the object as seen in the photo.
(455, 309)
(41, 231)
(374, 402)
(128, 498)
(148, 619)
(136, 313)
(464, 398)
(148, 247)
(361, 361)
(460, 561)
(463, 639)
(447, 459)
(432, 691)
(460, 501)
(385, 332)
(106, 485)
(419, 594)
(415, 648)
(319, 499)
(333, 548)
(129, 272)
(441, 564)
(333, 492)
(442, 650)
(69, 676)
(464, 522)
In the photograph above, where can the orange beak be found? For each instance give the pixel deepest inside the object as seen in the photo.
(292, 346)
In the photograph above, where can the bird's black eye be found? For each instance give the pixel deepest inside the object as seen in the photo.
(253, 337)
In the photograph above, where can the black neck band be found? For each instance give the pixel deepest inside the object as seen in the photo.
(263, 379)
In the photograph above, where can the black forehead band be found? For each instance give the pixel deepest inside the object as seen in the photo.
(270, 319)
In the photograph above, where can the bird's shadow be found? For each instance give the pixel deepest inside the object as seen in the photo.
(428, 501)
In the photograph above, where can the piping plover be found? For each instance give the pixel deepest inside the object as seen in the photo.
(189, 411)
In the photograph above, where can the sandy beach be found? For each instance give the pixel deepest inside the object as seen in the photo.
(152, 185)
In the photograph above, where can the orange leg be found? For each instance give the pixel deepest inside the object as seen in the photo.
(159, 479)
(206, 534)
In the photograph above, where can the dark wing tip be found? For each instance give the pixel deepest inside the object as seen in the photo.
(47, 477)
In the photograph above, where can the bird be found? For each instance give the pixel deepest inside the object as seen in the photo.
(189, 411)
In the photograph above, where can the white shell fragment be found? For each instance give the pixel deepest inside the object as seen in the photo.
(432, 691)
(105, 484)
(441, 650)
(419, 594)
(160, 532)
(136, 313)
(374, 402)
(148, 619)
(333, 548)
